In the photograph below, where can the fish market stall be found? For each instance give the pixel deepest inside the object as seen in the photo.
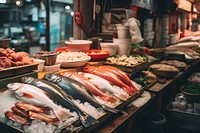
(86, 98)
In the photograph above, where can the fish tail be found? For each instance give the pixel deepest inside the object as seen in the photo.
(121, 96)
(106, 108)
(135, 89)
(87, 120)
(109, 99)
(62, 114)
(129, 90)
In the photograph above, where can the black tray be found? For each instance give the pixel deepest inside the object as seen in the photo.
(183, 120)
(5, 81)
(190, 97)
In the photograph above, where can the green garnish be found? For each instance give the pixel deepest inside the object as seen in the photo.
(142, 81)
(192, 89)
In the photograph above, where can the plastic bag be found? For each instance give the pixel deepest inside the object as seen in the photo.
(134, 30)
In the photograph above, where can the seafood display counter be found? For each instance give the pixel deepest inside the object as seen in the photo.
(62, 99)
(68, 85)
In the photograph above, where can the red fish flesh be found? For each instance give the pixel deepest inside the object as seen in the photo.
(36, 116)
(110, 77)
(16, 118)
(121, 75)
(29, 107)
(20, 112)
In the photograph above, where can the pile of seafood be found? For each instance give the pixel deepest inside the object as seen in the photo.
(80, 96)
(24, 113)
(9, 58)
(178, 64)
(164, 67)
(125, 60)
(168, 68)
(72, 56)
(129, 61)
(164, 70)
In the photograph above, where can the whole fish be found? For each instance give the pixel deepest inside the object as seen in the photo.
(90, 86)
(104, 84)
(16, 118)
(33, 95)
(36, 116)
(122, 76)
(110, 77)
(61, 99)
(44, 83)
(28, 107)
(77, 91)
(20, 112)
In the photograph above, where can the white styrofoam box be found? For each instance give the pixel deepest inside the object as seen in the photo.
(52, 68)
(124, 46)
(123, 31)
(111, 47)
(40, 64)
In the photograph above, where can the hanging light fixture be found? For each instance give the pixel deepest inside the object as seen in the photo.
(19, 3)
(67, 7)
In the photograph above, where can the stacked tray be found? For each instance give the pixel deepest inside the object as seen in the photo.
(15, 73)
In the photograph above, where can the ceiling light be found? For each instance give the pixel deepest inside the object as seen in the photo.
(72, 13)
(18, 2)
(3, 1)
(67, 7)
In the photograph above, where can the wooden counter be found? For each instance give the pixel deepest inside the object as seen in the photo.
(119, 121)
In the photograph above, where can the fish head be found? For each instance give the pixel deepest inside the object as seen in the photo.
(89, 69)
(28, 80)
(55, 78)
(14, 86)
